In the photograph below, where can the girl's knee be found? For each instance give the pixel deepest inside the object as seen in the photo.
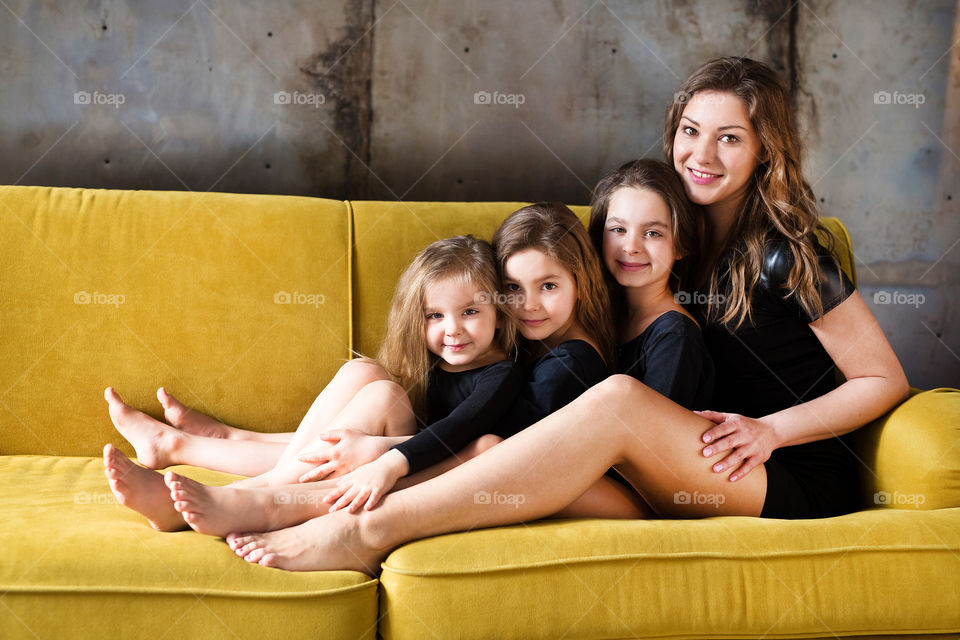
(366, 370)
(486, 442)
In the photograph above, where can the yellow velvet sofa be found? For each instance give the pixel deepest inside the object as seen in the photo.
(244, 306)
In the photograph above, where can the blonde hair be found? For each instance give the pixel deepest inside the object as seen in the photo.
(552, 228)
(778, 197)
(403, 352)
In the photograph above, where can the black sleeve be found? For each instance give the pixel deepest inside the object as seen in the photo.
(494, 393)
(675, 366)
(834, 286)
(556, 380)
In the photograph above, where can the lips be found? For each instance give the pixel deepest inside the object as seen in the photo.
(456, 347)
(702, 177)
(533, 323)
(632, 266)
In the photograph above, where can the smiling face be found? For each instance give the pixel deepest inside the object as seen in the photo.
(460, 323)
(715, 149)
(638, 247)
(545, 296)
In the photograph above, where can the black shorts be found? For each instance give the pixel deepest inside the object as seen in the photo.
(814, 480)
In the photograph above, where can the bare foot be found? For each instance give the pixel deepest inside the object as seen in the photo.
(219, 510)
(190, 420)
(154, 441)
(142, 490)
(335, 542)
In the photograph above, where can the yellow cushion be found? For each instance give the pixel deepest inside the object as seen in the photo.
(387, 235)
(76, 564)
(875, 571)
(912, 454)
(185, 290)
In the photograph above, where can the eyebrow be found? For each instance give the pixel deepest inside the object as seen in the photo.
(644, 224)
(729, 126)
(552, 276)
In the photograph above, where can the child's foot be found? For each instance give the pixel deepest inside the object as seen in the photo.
(154, 441)
(190, 420)
(217, 511)
(334, 542)
(142, 490)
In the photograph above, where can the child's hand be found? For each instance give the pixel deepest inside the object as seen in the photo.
(366, 485)
(340, 451)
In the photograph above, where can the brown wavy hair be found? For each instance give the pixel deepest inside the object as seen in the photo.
(404, 352)
(686, 219)
(552, 228)
(778, 198)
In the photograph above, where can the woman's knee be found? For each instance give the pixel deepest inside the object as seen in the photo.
(618, 393)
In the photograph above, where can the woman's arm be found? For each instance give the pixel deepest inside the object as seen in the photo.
(875, 383)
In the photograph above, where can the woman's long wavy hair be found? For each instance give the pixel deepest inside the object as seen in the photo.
(404, 352)
(552, 228)
(778, 197)
(686, 219)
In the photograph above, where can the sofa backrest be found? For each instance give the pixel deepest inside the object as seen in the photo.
(237, 304)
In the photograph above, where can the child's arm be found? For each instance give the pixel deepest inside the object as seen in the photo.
(345, 450)
(494, 393)
(366, 485)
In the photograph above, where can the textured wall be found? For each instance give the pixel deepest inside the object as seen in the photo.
(379, 99)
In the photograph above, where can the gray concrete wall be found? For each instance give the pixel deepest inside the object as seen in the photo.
(379, 99)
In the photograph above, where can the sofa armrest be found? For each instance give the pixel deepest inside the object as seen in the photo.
(913, 453)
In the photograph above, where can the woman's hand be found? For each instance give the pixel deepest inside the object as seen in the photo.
(340, 451)
(749, 441)
(366, 485)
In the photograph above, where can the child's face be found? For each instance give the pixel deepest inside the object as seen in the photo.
(460, 324)
(638, 238)
(546, 296)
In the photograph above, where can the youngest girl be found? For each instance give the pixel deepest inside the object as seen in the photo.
(446, 351)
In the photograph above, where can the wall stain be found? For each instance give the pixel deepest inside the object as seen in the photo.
(343, 73)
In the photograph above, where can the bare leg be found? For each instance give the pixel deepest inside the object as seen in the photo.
(200, 424)
(549, 465)
(159, 445)
(350, 378)
(142, 490)
(380, 408)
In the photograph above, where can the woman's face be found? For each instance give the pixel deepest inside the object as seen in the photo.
(715, 149)
(638, 238)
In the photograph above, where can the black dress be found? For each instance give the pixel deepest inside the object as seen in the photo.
(670, 357)
(774, 362)
(552, 381)
(461, 407)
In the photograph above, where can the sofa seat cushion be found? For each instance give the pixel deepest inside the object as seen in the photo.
(872, 572)
(75, 560)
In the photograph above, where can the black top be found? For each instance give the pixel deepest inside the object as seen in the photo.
(461, 407)
(775, 361)
(670, 357)
(552, 381)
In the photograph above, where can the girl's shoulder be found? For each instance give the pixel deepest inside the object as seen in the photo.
(577, 356)
(677, 322)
